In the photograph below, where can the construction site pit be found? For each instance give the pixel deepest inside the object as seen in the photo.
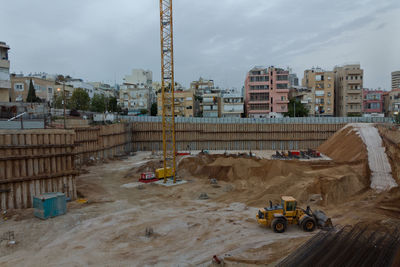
(213, 212)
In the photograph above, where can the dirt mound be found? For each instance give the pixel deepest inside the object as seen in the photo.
(256, 181)
(345, 146)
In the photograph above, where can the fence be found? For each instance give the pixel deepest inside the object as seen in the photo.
(25, 124)
(302, 120)
(33, 162)
(148, 136)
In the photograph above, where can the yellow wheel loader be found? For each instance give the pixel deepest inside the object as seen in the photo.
(278, 217)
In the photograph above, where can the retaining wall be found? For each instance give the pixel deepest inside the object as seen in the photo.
(147, 136)
(33, 162)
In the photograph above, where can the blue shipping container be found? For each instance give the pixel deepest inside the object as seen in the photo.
(49, 205)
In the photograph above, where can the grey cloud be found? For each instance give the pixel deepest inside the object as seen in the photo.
(102, 40)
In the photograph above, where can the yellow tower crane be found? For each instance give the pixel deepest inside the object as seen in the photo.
(167, 89)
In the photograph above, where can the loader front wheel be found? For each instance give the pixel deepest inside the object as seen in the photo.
(279, 225)
(308, 224)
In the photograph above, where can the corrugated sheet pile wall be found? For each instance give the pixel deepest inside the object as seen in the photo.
(148, 136)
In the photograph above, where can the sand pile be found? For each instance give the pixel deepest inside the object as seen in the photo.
(257, 181)
(345, 146)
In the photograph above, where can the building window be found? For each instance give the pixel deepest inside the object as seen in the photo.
(282, 85)
(19, 87)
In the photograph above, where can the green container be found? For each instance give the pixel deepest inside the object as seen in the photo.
(49, 205)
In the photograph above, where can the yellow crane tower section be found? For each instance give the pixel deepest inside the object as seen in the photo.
(167, 89)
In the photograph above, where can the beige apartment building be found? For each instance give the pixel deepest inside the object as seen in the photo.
(391, 102)
(348, 90)
(135, 98)
(183, 103)
(5, 84)
(45, 89)
(231, 106)
(321, 95)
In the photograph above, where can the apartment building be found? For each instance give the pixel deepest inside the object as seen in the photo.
(140, 77)
(395, 79)
(5, 85)
(201, 86)
(135, 98)
(266, 92)
(209, 105)
(321, 84)
(348, 90)
(103, 89)
(302, 94)
(372, 101)
(79, 83)
(231, 106)
(391, 102)
(183, 104)
(44, 89)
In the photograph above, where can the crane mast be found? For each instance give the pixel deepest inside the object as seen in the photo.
(167, 87)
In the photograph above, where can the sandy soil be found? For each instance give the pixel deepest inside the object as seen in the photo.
(156, 225)
(111, 229)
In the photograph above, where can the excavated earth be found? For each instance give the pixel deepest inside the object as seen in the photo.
(150, 224)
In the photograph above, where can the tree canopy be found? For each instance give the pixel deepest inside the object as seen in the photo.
(296, 109)
(32, 94)
(98, 103)
(153, 110)
(80, 99)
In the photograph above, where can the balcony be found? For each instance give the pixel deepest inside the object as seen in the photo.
(282, 90)
(278, 101)
(258, 102)
(258, 83)
(5, 84)
(354, 91)
(4, 64)
(354, 101)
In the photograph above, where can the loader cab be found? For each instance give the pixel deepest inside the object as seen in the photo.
(289, 205)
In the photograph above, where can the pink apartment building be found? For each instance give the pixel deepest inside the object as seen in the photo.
(266, 92)
(372, 101)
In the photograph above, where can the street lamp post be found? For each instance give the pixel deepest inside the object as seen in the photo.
(58, 89)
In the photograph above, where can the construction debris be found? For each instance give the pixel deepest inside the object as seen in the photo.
(204, 196)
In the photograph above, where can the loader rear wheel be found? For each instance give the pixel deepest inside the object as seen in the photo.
(279, 225)
(308, 224)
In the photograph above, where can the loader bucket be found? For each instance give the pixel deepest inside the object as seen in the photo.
(322, 220)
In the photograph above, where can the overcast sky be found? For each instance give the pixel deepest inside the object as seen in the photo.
(100, 40)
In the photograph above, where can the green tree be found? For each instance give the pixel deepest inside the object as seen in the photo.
(296, 109)
(80, 99)
(144, 111)
(397, 118)
(32, 94)
(153, 110)
(98, 103)
(113, 104)
(57, 101)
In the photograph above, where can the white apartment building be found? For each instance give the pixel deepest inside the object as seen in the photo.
(210, 105)
(79, 83)
(140, 77)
